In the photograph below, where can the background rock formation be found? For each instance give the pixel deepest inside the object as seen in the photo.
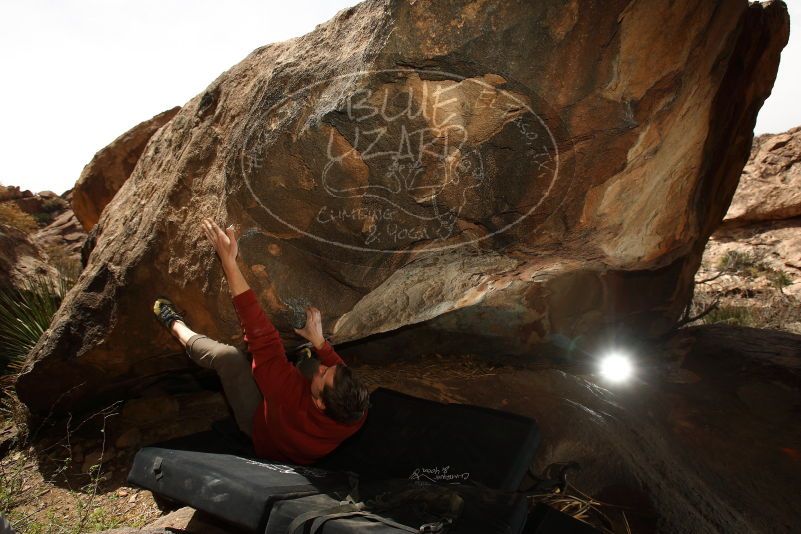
(104, 175)
(20, 258)
(496, 173)
(770, 188)
(40, 236)
(63, 237)
(752, 264)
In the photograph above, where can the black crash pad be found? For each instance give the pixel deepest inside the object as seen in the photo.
(406, 436)
(236, 489)
(391, 505)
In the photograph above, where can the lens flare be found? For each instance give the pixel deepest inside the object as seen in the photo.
(616, 367)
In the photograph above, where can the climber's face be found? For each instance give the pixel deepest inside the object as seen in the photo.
(322, 377)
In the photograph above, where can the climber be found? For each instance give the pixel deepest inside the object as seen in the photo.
(289, 417)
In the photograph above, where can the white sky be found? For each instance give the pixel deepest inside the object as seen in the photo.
(78, 73)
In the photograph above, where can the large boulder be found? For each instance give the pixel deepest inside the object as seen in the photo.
(102, 177)
(494, 173)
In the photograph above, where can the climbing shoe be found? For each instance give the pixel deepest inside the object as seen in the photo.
(166, 312)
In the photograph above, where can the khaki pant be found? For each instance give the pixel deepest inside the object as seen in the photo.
(234, 368)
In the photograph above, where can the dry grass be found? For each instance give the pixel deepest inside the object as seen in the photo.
(35, 504)
(65, 263)
(745, 291)
(775, 313)
(11, 215)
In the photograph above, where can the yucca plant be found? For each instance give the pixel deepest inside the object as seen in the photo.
(26, 312)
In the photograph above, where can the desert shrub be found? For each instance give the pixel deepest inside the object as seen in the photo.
(733, 315)
(12, 215)
(25, 314)
(752, 265)
(780, 312)
(744, 263)
(779, 279)
(735, 261)
(43, 218)
(54, 204)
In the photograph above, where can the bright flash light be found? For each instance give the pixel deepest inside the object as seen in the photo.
(616, 367)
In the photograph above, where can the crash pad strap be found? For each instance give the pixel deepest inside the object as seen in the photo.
(302, 519)
(320, 517)
(320, 521)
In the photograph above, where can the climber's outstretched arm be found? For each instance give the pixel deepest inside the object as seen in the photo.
(227, 249)
(273, 373)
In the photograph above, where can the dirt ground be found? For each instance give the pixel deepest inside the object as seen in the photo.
(60, 502)
(702, 440)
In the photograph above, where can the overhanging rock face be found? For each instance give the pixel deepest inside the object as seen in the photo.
(500, 170)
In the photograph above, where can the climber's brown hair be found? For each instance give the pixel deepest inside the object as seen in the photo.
(348, 400)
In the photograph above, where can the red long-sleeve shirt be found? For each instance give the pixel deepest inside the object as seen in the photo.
(288, 426)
